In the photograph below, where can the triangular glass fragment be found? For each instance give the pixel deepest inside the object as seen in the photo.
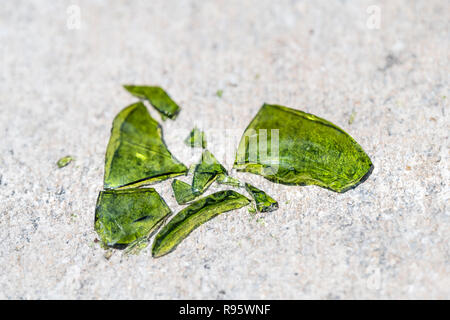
(125, 217)
(196, 139)
(182, 191)
(264, 202)
(136, 153)
(157, 97)
(206, 172)
(292, 147)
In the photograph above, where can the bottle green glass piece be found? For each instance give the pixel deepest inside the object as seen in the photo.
(182, 191)
(230, 181)
(206, 172)
(196, 139)
(64, 161)
(157, 97)
(264, 202)
(136, 153)
(126, 217)
(292, 147)
(193, 216)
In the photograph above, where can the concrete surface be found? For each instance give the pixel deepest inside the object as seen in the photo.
(61, 88)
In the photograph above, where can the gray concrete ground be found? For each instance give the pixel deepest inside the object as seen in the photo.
(62, 67)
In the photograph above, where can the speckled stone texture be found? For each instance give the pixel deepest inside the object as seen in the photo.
(60, 88)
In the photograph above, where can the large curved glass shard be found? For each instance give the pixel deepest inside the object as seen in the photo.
(124, 217)
(292, 147)
(136, 153)
(193, 216)
(264, 202)
(206, 172)
(157, 97)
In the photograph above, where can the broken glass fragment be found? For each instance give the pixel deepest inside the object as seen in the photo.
(182, 191)
(264, 202)
(191, 169)
(296, 148)
(157, 97)
(193, 216)
(126, 217)
(136, 153)
(352, 117)
(226, 179)
(196, 139)
(206, 172)
(64, 161)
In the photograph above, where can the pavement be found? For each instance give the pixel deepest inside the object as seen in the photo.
(377, 69)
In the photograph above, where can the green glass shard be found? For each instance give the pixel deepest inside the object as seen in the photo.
(352, 117)
(193, 216)
(251, 208)
(182, 191)
(136, 153)
(296, 148)
(226, 179)
(191, 169)
(64, 161)
(126, 217)
(137, 246)
(196, 139)
(264, 202)
(157, 97)
(206, 172)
